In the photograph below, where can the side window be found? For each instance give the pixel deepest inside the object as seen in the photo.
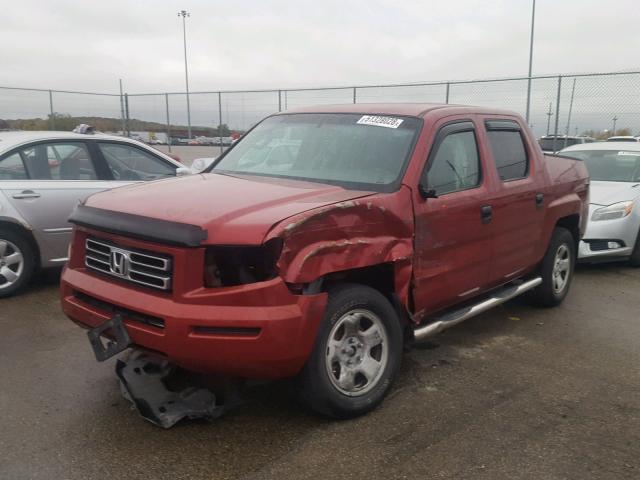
(455, 165)
(59, 161)
(127, 162)
(508, 150)
(12, 168)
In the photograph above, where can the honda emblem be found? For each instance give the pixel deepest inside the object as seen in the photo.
(119, 263)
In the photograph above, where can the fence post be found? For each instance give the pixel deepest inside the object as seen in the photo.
(220, 120)
(555, 133)
(446, 99)
(122, 108)
(354, 94)
(166, 102)
(573, 91)
(126, 114)
(52, 121)
(279, 100)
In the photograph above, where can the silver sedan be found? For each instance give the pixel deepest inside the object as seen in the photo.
(43, 175)
(614, 210)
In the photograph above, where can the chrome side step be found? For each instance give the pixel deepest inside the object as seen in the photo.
(455, 317)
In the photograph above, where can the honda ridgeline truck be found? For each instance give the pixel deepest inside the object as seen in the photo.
(326, 239)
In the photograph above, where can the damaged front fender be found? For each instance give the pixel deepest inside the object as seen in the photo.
(349, 235)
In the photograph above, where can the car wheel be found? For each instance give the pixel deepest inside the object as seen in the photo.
(17, 262)
(634, 260)
(356, 355)
(556, 269)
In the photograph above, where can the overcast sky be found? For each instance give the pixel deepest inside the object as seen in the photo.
(261, 44)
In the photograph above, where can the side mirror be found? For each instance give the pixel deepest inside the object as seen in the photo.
(181, 171)
(427, 192)
(200, 164)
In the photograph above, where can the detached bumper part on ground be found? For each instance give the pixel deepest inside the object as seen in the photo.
(142, 380)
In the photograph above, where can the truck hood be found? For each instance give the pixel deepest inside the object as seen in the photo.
(607, 193)
(233, 210)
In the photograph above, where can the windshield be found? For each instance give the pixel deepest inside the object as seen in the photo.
(352, 150)
(610, 165)
(546, 144)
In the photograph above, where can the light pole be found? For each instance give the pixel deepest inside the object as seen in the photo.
(533, 18)
(184, 14)
(615, 119)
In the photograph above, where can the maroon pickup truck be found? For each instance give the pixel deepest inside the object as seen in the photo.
(325, 240)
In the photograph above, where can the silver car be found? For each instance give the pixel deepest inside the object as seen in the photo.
(43, 175)
(614, 210)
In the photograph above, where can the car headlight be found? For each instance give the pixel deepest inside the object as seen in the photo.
(612, 212)
(226, 266)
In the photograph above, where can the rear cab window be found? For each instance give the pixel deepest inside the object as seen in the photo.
(508, 148)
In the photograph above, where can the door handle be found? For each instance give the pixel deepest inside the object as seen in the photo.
(486, 213)
(26, 194)
(539, 200)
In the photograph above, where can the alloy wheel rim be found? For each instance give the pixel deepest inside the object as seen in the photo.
(11, 264)
(357, 352)
(561, 269)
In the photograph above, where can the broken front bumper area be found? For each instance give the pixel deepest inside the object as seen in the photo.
(144, 381)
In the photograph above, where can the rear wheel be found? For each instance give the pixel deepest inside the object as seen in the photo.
(356, 355)
(17, 262)
(556, 269)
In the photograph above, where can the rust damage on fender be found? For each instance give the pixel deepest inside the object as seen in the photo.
(349, 235)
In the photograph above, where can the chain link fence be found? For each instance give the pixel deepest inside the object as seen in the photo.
(596, 104)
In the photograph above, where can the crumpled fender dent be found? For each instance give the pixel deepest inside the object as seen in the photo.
(348, 235)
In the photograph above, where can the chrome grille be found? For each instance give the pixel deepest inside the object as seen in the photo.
(143, 268)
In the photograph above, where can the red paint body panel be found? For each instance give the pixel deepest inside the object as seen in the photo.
(287, 322)
(234, 210)
(439, 250)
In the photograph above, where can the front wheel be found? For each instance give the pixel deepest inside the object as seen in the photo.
(556, 269)
(16, 262)
(356, 355)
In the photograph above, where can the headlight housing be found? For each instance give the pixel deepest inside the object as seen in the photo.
(612, 212)
(225, 266)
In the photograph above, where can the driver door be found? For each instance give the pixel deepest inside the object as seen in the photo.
(453, 239)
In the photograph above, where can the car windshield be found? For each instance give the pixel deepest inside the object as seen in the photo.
(610, 165)
(351, 150)
(546, 144)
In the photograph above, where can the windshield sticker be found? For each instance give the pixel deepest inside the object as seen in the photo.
(378, 121)
(633, 154)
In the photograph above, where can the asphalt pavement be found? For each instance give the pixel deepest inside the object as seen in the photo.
(517, 393)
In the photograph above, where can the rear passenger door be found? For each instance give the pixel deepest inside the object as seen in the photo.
(452, 237)
(56, 176)
(517, 201)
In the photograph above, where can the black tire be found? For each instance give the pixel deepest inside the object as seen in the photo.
(10, 243)
(634, 260)
(548, 294)
(314, 385)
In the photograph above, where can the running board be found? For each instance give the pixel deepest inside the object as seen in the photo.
(458, 316)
